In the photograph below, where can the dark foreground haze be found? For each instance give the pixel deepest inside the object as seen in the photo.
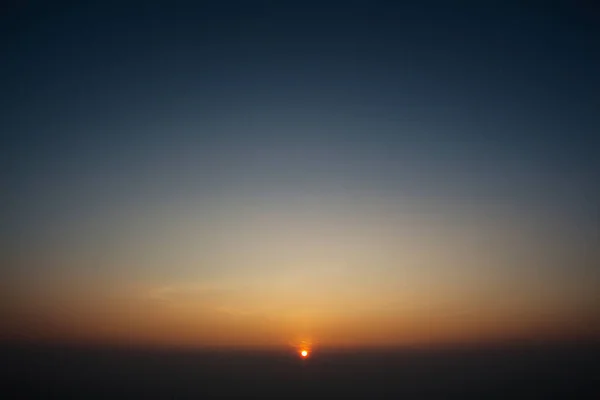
(527, 372)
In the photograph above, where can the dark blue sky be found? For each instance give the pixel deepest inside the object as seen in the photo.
(486, 111)
(483, 100)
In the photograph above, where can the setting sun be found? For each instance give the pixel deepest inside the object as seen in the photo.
(304, 353)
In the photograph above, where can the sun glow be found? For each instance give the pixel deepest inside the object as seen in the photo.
(304, 353)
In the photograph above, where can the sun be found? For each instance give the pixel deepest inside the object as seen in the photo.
(302, 348)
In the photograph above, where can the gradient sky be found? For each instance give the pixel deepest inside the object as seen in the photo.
(256, 174)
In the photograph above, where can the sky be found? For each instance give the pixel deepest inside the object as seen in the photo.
(262, 174)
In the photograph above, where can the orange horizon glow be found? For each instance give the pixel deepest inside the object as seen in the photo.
(183, 317)
(299, 280)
